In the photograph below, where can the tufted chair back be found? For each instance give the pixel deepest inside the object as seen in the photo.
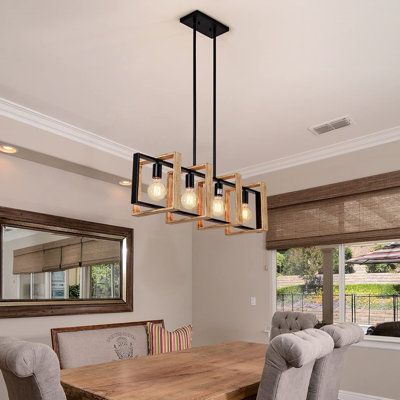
(325, 379)
(289, 321)
(31, 370)
(289, 363)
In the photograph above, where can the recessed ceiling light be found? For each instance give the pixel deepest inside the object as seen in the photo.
(5, 148)
(125, 182)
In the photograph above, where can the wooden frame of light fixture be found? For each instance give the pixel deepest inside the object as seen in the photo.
(236, 187)
(173, 188)
(261, 211)
(204, 209)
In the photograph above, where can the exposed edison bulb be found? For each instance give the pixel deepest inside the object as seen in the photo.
(247, 214)
(189, 199)
(156, 190)
(218, 206)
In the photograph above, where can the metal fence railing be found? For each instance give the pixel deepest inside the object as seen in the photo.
(361, 308)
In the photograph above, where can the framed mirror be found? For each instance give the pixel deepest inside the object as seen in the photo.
(53, 265)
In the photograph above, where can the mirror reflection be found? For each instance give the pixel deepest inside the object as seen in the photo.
(38, 265)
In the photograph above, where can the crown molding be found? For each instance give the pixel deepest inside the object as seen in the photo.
(34, 118)
(337, 149)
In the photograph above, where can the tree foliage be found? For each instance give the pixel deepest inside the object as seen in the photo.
(74, 291)
(100, 281)
(349, 269)
(375, 268)
(105, 281)
(306, 262)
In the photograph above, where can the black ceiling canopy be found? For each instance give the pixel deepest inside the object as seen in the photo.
(204, 24)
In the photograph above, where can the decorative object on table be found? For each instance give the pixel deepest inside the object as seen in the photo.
(163, 341)
(325, 379)
(289, 363)
(213, 201)
(30, 370)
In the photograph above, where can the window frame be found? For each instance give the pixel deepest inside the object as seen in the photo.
(381, 342)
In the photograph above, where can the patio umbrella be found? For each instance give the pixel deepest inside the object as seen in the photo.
(389, 254)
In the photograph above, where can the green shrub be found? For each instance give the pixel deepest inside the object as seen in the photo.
(375, 268)
(377, 289)
(74, 291)
(348, 253)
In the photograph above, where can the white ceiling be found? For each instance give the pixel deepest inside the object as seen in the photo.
(122, 69)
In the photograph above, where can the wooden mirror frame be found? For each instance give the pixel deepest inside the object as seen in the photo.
(62, 225)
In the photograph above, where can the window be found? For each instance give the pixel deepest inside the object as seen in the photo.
(104, 281)
(33, 286)
(58, 285)
(300, 280)
(93, 282)
(372, 283)
(365, 288)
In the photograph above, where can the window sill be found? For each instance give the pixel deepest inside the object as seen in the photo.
(380, 342)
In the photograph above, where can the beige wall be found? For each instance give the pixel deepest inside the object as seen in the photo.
(162, 254)
(372, 371)
(227, 271)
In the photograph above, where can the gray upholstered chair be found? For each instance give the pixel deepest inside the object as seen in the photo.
(289, 363)
(325, 379)
(289, 321)
(31, 370)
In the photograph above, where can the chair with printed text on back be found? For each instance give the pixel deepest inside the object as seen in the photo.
(78, 346)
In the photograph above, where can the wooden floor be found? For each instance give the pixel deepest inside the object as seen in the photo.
(227, 371)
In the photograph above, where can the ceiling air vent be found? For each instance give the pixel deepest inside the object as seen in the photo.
(330, 126)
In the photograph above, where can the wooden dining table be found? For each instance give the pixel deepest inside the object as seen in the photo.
(224, 371)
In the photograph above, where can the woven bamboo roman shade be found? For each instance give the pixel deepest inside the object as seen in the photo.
(351, 211)
(65, 254)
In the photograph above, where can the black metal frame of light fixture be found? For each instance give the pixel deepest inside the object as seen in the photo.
(208, 26)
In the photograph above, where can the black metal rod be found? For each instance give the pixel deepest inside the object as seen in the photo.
(194, 92)
(215, 104)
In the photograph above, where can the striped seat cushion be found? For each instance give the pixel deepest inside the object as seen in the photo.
(163, 341)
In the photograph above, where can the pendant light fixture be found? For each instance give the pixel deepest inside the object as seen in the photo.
(213, 201)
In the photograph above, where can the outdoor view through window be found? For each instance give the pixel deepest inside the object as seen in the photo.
(371, 279)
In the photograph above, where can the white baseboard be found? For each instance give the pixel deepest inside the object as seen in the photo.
(344, 395)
